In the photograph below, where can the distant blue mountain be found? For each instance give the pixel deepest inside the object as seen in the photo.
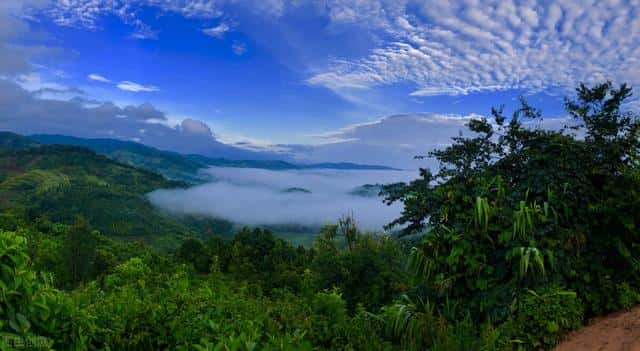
(347, 165)
(177, 166)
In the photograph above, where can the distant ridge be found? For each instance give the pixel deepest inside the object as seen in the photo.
(11, 142)
(177, 166)
(348, 165)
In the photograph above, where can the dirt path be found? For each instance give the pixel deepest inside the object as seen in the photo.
(617, 332)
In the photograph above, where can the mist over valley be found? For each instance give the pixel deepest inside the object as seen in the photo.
(304, 197)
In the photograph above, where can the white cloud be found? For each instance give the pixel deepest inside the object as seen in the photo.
(190, 8)
(395, 140)
(239, 48)
(420, 128)
(29, 112)
(89, 13)
(462, 47)
(442, 47)
(217, 31)
(135, 87)
(255, 196)
(35, 81)
(391, 141)
(193, 126)
(98, 78)
(142, 31)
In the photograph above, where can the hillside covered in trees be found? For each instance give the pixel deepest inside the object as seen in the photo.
(521, 236)
(57, 183)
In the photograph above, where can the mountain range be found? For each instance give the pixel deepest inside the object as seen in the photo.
(177, 166)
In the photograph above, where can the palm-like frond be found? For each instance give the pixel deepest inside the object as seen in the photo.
(410, 320)
(420, 263)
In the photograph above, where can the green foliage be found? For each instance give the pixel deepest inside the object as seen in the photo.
(515, 209)
(627, 296)
(347, 228)
(374, 261)
(521, 235)
(80, 251)
(170, 164)
(141, 309)
(329, 313)
(145, 301)
(59, 183)
(194, 252)
(544, 316)
(31, 309)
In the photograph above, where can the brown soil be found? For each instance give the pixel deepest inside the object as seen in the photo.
(617, 332)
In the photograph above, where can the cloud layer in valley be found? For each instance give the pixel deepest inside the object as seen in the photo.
(254, 196)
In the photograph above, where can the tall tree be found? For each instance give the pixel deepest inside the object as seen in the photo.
(80, 250)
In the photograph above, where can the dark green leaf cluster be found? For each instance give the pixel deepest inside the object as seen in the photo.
(252, 293)
(519, 217)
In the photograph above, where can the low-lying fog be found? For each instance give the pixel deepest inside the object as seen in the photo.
(257, 196)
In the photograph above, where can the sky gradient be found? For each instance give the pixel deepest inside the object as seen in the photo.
(362, 81)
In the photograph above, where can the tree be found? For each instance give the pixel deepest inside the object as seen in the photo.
(348, 229)
(368, 272)
(194, 252)
(516, 208)
(80, 251)
(31, 310)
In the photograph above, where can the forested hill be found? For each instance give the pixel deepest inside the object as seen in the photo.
(177, 166)
(172, 165)
(57, 183)
(11, 142)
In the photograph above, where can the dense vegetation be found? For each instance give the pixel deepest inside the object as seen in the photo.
(521, 236)
(56, 183)
(171, 165)
(529, 231)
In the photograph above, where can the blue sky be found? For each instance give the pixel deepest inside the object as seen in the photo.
(252, 92)
(307, 79)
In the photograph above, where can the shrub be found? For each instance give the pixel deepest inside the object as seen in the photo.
(31, 310)
(545, 315)
(329, 317)
(515, 211)
(627, 296)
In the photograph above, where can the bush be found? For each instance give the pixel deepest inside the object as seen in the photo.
(545, 315)
(193, 251)
(329, 317)
(627, 296)
(31, 310)
(515, 211)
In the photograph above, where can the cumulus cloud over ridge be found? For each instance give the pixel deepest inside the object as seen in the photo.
(27, 112)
